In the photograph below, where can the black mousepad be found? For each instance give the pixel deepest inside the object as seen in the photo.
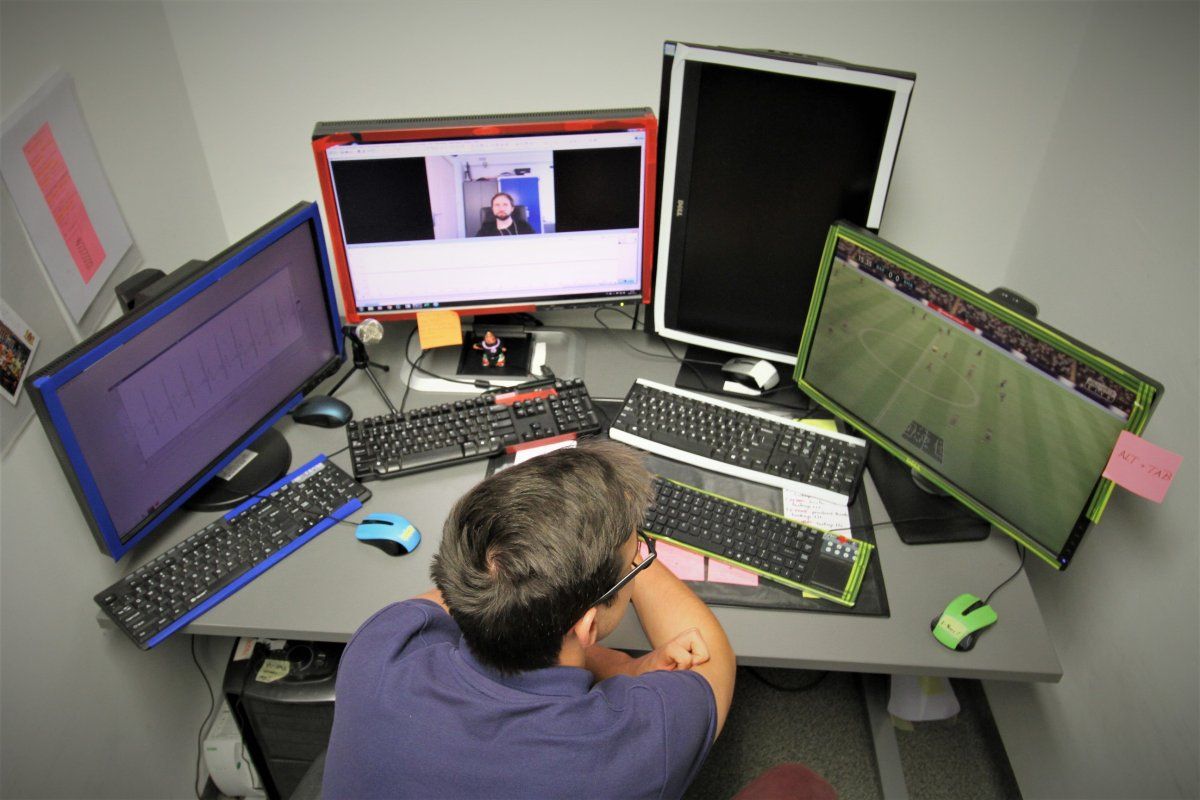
(872, 595)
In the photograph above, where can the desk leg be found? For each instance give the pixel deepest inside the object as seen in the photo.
(887, 752)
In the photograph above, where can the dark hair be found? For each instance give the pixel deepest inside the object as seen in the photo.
(528, 551)
(503, 194)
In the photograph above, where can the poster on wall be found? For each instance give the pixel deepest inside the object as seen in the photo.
(54, 175)
(17, 344)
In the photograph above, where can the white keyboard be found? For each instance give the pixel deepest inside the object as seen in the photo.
(741, 442)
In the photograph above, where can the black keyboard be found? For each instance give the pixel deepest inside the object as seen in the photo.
(830, 565)
(392, 445)
(164, 595)
(739, 441)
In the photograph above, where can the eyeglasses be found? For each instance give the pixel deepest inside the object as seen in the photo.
(637, 567)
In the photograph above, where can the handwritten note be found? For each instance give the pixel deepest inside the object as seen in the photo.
(1142, 468)
(438, 329)
(814, 511)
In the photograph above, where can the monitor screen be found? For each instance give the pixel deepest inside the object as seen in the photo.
(144, 412)
(762, 152)
(1008, 415)
(489, 214)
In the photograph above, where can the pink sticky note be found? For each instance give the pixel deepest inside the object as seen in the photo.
(66, 204)
(720, 572)
(686, 565)
(1142, 468)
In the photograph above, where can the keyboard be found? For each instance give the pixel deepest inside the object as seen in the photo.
(742, 442)
(163, 595)
(393, 445)
(826, 564)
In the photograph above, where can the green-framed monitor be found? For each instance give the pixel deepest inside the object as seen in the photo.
(1008, 415)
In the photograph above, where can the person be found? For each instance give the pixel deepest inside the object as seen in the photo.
(504, 223)
(494, 684)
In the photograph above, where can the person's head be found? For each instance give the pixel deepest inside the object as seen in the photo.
(526, 554)
(489, 337)
(502, 205)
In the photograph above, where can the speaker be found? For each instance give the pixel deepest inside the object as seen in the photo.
(282, 699)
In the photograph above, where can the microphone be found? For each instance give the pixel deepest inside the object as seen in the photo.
(369, 331)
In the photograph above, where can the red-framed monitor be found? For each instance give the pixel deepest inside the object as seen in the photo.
(492, 214)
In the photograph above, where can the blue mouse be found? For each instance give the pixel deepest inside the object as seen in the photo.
(391, 533)
(322, 411)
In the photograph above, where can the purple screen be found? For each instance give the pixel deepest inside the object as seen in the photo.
(153, 414)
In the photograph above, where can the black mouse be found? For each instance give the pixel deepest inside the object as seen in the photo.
(322, 411)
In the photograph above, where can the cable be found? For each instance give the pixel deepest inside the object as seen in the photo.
(478, 384)
(212, 707)
(408, 386)
(780, 688)
(1020, 567)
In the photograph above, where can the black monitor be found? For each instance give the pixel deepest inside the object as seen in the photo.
(145, 412)
(1011, 417)
(761, 152)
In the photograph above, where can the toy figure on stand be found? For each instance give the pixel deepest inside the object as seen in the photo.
(493, 349)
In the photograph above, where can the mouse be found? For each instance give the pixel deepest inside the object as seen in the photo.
(959, 626)
(322, 411)
(753, 373)
(391, 533)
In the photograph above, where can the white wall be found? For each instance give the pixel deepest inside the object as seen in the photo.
(1007, 117)
(84, 713)
(1109, 247)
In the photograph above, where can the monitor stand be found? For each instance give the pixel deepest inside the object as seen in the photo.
(527, 350)
(262, 463)
(702, 373)
(937, 517)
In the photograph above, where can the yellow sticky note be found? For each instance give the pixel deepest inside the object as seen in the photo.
(823, 424)
(438, 329)
(273, 669)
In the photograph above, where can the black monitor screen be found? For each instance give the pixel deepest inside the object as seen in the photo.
(764, 162)
(146, 407)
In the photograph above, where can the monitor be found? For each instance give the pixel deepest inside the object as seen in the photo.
(761, 152)
(145, 412)
(1014, 419)
(484, 215)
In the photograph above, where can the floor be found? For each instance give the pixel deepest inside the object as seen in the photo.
(820, 720)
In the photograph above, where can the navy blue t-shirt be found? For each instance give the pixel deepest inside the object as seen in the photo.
(418, 716)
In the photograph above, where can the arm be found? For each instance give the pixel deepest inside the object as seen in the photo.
(685, 651)
(666, 607)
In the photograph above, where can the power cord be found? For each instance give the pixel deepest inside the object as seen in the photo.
(212, 707)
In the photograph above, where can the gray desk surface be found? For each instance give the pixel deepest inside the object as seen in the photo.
(329, 587)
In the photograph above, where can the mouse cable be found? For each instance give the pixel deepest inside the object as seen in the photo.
(212, 707)
(408, 385)
(416, 367)
(1020, 567)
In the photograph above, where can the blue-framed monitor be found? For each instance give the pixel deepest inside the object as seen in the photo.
(1011, 417)
(143, 414)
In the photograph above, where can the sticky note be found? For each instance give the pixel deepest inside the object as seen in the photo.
(686, 565)
(273, 669)
(823, 424)
(438, 329)
(62, 196)
(720, 572)
(244, 649)
(1142, 468)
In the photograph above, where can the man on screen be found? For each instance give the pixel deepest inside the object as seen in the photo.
(504, 223)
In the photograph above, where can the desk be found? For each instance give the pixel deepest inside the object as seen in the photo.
(328, 588)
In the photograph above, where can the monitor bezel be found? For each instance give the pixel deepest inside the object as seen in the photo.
(331, 134)
(676, 56)
(1147, 391)
(46, 384)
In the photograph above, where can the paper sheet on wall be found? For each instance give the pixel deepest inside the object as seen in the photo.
(54, 175)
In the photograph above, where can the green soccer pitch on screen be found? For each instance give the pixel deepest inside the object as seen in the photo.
(1011, 417)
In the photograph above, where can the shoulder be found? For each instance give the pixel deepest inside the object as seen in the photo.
(402, 626)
